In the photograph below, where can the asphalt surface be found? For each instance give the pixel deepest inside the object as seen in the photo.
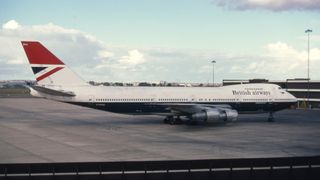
(39, 130)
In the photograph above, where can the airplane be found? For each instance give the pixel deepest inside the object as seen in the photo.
(55, 81)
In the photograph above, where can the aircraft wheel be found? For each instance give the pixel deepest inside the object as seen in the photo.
(178, 120)
(173, 121)
(271, 118)
(166, 120)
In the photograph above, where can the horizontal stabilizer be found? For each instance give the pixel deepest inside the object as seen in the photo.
(53, 92)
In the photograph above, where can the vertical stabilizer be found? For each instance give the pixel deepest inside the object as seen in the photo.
(47, 68)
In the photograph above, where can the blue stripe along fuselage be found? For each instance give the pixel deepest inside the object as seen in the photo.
(154, 108)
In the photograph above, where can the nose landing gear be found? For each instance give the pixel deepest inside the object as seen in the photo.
(172, 120)
(271, 118)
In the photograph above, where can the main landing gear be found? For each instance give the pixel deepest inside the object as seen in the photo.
(270, 118)
(172, 120)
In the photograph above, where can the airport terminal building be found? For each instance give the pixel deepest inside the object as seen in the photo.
(307, 91)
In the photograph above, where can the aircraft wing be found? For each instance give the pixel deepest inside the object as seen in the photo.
(203, 112)
(179, 108)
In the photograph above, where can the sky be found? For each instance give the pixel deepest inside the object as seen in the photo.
(165, 40)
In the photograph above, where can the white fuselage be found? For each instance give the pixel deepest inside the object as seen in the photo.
(234, 95)
(56, 81)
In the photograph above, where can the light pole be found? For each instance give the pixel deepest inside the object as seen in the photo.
(308, 31)
(213, 62)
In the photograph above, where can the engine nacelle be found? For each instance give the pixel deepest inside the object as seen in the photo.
(215, 115)
(232, 115)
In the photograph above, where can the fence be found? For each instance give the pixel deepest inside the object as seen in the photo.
(218, 169)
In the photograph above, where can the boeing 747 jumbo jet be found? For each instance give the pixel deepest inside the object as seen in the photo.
(56, 81)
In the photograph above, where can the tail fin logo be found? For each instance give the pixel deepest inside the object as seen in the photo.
(44, 72)
(43, 62)
(47, 68)
(37, 69)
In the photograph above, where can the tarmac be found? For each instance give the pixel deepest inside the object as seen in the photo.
(40, 130)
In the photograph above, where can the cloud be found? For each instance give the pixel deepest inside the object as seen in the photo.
(283, 51)
(97, 60)
(80, 50)
(134, 58)
(274, 5)
(105, 54)
(280, 61)
(11, 25)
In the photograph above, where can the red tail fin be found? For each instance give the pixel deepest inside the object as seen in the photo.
(38, 54)
(47, 68)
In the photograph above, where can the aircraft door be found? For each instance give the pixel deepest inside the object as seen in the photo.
(91, 98)
(271, 97)
(237, 105)
(193, 98)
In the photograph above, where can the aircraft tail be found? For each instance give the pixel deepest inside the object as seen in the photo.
(47, 68)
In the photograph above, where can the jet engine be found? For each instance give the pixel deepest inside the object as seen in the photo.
(215, 115)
